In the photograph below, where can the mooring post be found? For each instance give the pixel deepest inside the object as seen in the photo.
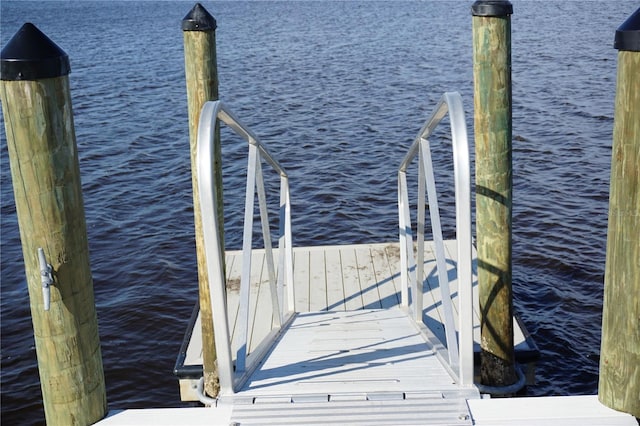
(199, 33)
(45, 171)
(619, 386)
(492, 121)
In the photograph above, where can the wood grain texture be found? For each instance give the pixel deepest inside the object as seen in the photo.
(46, 180)
(619, 386)
(202, 86)
(492, 122)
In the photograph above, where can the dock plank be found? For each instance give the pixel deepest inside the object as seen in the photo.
(368, 280)
(317, 281)
(353, 291)
(383, 264)
(334, 280)
(301, 279)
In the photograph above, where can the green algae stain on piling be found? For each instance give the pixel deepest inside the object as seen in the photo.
(45, 172)
(619, 386)
(492, 122)
(202, 85)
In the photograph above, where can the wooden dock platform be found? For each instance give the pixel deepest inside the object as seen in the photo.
(339, 278)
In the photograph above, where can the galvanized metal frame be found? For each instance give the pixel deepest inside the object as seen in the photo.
(412, 275)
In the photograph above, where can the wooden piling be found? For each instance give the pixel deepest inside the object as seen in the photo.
(619, 386)
(46, 181)
(199, 36)
(491, 24)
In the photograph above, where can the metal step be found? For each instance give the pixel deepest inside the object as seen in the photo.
(378, 408)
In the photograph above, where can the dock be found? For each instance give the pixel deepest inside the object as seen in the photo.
(367, 334)
(353, 356)
(353, 359)
(355, 334)
(384, 333)
(339, 278)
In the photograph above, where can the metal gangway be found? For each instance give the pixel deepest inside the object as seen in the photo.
(368, 366)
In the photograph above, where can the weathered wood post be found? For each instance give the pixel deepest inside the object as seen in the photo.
(619, 386)
(46, 182)
(202, 85)
(491, 24)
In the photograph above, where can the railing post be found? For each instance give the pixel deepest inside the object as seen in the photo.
(619, 386)
(198, 28)
(492, 121)
(43, 155)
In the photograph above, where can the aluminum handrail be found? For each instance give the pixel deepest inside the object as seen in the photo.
(232, 375)
(460, 350)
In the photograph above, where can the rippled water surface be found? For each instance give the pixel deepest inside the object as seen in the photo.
(337, 90)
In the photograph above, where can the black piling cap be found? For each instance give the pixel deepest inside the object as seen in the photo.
(198, 19)
(628, 34)
(31, 55)
(492, 8)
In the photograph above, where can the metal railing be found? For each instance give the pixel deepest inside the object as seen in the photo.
(412, 267)
(231, 376)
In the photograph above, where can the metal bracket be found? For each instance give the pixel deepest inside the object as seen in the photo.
(46, 278)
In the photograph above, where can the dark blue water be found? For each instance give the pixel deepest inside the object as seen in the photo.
(337, 90)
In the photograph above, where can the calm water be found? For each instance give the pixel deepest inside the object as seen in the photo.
(337, 90)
